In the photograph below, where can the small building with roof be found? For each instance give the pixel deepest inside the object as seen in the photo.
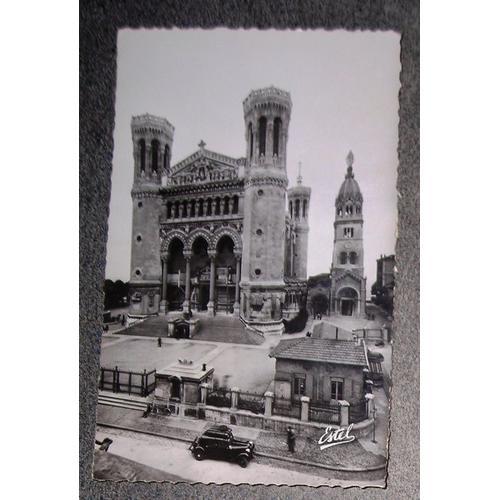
(325, 370)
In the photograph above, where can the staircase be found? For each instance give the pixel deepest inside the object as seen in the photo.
(128, 402)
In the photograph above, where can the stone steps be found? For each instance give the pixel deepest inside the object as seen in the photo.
(121, 402)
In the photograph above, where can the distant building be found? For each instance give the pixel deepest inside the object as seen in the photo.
(383, 288)
(215, 233)
(348, 284)
(385, 270)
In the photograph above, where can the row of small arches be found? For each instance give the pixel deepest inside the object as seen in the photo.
(349, 209)
(155, 155)
(226, 205)
(297, 209)
(351, 258)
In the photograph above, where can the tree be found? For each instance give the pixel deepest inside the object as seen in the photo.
(319, 303)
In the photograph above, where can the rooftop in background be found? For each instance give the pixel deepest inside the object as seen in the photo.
(343, 352)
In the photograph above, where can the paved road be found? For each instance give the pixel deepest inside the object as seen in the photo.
(173, 457)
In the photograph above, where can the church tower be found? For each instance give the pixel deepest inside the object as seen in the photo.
(267, 116)
(152, 139)
(298, 210)
(348, 282)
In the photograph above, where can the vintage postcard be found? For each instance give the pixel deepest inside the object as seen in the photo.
(250, 258)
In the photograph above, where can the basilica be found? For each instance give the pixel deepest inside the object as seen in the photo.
(214, 234)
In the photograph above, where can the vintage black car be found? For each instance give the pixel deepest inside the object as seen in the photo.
(218, 442)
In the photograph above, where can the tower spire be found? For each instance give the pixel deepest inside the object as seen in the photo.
(299, 177)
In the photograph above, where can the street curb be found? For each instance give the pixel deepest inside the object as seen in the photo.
(258, 454)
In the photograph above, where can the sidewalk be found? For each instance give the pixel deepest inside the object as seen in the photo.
(350, 456)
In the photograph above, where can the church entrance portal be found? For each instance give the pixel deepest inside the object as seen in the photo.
(348, 299)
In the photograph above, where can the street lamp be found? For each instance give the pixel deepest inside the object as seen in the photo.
(374, 414)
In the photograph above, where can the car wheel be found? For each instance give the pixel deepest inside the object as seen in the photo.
(243, 461)
(199, 454)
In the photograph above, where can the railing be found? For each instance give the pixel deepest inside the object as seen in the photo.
(324, 411)
(219, 397)
(358, 412)
(251, 401)
(127, 381)
(286, 407)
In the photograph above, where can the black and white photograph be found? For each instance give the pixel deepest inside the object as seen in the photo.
(251, 258)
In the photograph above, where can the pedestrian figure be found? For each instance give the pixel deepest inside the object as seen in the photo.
(308, 334)
(290, 439)
(159, 341)
(123, 320)
(147, 411)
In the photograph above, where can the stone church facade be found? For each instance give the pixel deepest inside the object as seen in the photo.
(348, 284)
(219, 234)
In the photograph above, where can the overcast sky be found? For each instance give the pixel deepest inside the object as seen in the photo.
(344, 88)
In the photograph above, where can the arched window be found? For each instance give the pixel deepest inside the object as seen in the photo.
(209, 206)
(155, 148)
(169, 210)
(353, 257)
(193, 208)
(142, 154)
(348, 209)
(217, 206)
(358, 208)
(290, 208)
(184, 208)
(176, 209)
(262, 135)
(297, 209)
(343, 257)
(225, 209)
(166, 157)
(304, 209)
(250, 139)
(235, 204)
(276, 136)
(200, 208)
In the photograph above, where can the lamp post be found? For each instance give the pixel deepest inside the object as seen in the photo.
(374, 414)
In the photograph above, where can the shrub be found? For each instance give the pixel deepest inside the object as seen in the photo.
(297, 323)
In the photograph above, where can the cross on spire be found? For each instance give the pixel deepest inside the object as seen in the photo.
(350, 161)
(299, 177)
(202, 144)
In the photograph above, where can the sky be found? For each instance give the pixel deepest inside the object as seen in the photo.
(344, 88)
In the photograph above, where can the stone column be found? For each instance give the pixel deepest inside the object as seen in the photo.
(204, 393)
(164, 303)
(187, 296)
(210, 305)
(235, 392)
(344, 413)
(236, 306)
(304, 410)
(268, 405)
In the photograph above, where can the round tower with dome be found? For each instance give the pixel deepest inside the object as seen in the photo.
(348, 286)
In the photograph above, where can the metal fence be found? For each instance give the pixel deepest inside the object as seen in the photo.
(251, 401)
(324, 412)
(358, 412)
(127, 381)
(286, 407)
(220, 396)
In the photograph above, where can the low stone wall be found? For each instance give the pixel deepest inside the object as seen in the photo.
(276, 423)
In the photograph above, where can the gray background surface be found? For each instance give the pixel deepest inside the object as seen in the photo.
(99, 22)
